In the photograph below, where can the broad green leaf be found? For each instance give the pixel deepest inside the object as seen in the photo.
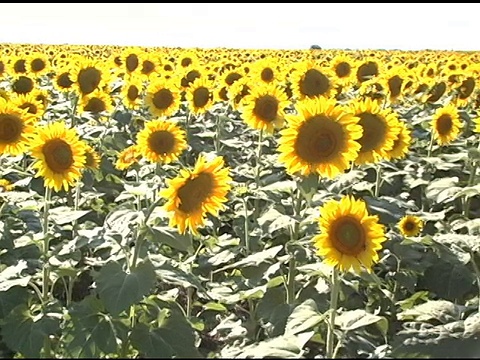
(11, 276)
(255, 259)
(64, 214)
(170, 237)
(354, 319)
(304, 317)
(118, 289)
(11, 298)
(440, 310)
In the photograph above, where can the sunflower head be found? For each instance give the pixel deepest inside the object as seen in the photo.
(92, 158)
(127, 157)
(163, 97)
(200, 95)
(410, 225)
(446, 124)
(16, 128)
(349, 237)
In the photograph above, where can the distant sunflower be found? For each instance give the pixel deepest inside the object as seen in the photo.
(60, 155)
(349, 237)
(321, 139)
(161, 141)
(132, 92)
(264, 107)
(238, 92)
(131, 58)
(22, 84)
(190, 75)
(30, 103)
(37, 64)
(16, 128)
(380, 129)
(401, 143)
(268, 70)
(187, 58)
(18, 64)
(6, 185)
(127, 157)
(89, 75)
(465, 90)
(309, 80)
(200, 96)
(367, 69)
(446, 124)
(436, 92)
(148, 65)
(92, 158)
(163, 97)
(98, 103)
(344, 67)
(62, 80)
(195, 193)
(410, 225)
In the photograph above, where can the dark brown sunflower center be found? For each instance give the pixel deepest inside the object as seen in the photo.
(267, 74)
(190, 78)
(195, 191)
(444, 124)
(186, 61)
(409, 226)
(161, 142)
(2, 67)
(395, 85)
(168, 67)
(64, 81)
(437, 91)
(133, 93)
(31, 108)
(117, 60)
(95, 105)
(430, 72)
(319, 140)
(374, 131)
(89, 79)
(58, 155)
(89, 159)
(131, 62)
(163, 99)
(348, 236)
(37, 65)
(223, 94)
(466, 88)
(148, 67)
(314, 83)
(19, 66)
(343, 69)
(266, 108)
(231, 78)
(23, 85)
(367, 71)
(201, 96)
(11, 127)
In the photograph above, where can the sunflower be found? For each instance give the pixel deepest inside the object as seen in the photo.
(127, 157)
(131, 58)
(98, 103)
(161, 141)
(190, 75)
(92, 158)
(410, 225)
(446, 124)
(89, 75)
(187, 58)
(380, 129)
(3, 68)
(60, 155)
(132, 92)
(401, 143)
(464, 91)
(264, 107)
(267, 70)
(309, 80)
(30, 103)
(367, 69)
(200, 96)
(18, 63)
(37, 64)
(436, 92)
(195, 193)
(6, 185)
(163, 97)
(343, 67)
(22, 84)
(322, 138)
(16, 128)
(148, 65)
(238, 92)
(62, 80)
(349, 237)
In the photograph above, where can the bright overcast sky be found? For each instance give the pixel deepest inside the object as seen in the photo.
(404, 26)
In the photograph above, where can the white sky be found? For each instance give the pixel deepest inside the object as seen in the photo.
(402, 26)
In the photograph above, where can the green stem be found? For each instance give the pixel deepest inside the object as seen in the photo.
(46, 245)
(218, 132)
(430, 147)
(378, 180)
(333, 312)
(189, 301)
(477, 274)
(291, 280)
(137, 197)
(257, 173)
(74, 110)
(247, 235)
(297, 205)
(75, 207)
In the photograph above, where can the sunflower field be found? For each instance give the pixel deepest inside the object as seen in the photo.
(226, 203)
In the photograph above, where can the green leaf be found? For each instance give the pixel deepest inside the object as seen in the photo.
(118, 289)
(173, 338)
(11, 276)
(170, 237)
(25, 333)
(355, 319)
(11, 298)
(304, 317)
(255, 259)
(440, 310)
(64, 214)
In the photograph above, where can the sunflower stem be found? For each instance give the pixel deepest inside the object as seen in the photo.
(257, 173)
(247, 235)
(477, 275)
(218, 129)
(46, 267)
(138, 198)
(333, 312)
(378, 179)
(75, 207)
(74, 110)
(430, 147)
(291, 280)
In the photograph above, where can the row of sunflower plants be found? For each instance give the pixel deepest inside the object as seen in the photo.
(238, 203)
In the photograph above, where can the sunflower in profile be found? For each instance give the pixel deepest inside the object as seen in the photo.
(16, 128)
(89, 75)
(161, 141)
(464, 92)
(22, 84)
(190, 74)
(410, 225)
(195, 193)
(264, 107)
(92, 158)
(309, 80)
(60, 155)
(127, 157)
(200, 96)
(238, 92)
(393, 81)
(3, 68)
(30, 103)
(163, 97)
(446, 124)
(349, 237)
(402, 143)
(322, 138)
(380, 129)
(436, 92)
(132, 92)
(98, 103)
(37, 64)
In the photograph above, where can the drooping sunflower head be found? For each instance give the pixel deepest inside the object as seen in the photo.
(30, 103)
(92, 158)
(321, 139)
(367, 69)
(380, 129)
(161, 141)
(310, 80)
(132, 92)
(163, 97)
(264, 107)
(195, 193)
(62, 80)
(410, 225)
(238, 92)
(200, 96)
(349, 237)
(402, 143)
(127, 157)
(446, 124)
(22, 84)
(60, 155)
(436, 92)
(98, 103)
(464, 91)
(16, 128)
